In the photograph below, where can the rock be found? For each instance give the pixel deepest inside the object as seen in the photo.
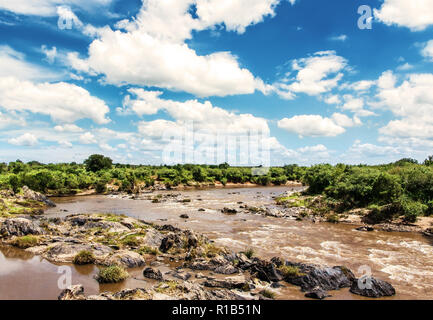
(317, 293)
(365, 228)
(229, 211)
(184, 216)
(153, 238)
(125, 258)
(238, 282)
(132, 294)
(326, 279)
(109, 226)
(73, 293)
(226, 269)
(264, 270)
(19, 227)
(65, 252)
(372, 288)
(182, 275)
(36, 196)
(169, 242)
(168, 227)
(152, 273)
(201, 210)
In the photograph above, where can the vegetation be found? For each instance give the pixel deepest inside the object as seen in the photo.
(268, 294)
(112, 274)
(25, 242)
(249, 253)
(400, 189)
(290, 271)
(84, 257)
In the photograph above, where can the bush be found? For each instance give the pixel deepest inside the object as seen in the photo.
(84, 257)
(97, 162)
(267, 294)
(112, 274)
(25, 242)
(290, 271)
(249, 253)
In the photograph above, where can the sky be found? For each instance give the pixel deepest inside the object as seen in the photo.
(166, 81)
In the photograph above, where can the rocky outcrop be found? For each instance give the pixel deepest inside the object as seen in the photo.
(66, 251)
(36, 196)
(238, 282)
(312, 277)
(19, 227)
(229, 211)
(372, 288)
(317, 293)
(73, 293)
(125, 258)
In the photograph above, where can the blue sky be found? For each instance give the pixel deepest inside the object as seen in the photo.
(123, 77)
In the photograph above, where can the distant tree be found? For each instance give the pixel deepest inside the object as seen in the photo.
(405, 161)
(97, 162)
(224, 165)
(429, 161)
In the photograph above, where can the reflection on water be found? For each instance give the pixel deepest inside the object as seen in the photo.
(403, 259)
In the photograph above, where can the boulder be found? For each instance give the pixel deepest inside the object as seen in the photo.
(184, 216)
(65, 252)
(229, 211)
(152, 273)
(372, 288)
(153, 238)
(169, 242)
(237, 282)
(73, 293)
(126, 258)
(36, 196)
(326, 279)
(317, 293)
(264, 270)
(19, 227)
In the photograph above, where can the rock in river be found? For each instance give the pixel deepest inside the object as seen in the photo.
(152, 273)
(372, 288)
(19, 227)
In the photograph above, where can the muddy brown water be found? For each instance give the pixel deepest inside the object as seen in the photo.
(403, 259)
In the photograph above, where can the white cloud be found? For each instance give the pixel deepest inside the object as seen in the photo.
(26, 139)
(236, 15)
(427, 51)
(11, 120)
(13, 63)
(63, 102)
(405, 67)
(411, 102)
(48, 7)
(205, 116)
(414, 14)
(153, 52)
(50, 54)
(87, 138)
(68, 128)
(311, 126)
(316, 75)
(342, 38)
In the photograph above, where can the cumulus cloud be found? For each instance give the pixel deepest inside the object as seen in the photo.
(63, 102)
(26, 139)
(68, 128)
(311, 126)
(411, 102)
(204, 115)
(416, 15)
(151, 52)
(88, 138)
(316, 75)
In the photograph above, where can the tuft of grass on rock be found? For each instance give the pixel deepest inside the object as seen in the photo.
(84, 257)
(249, 253)
(131, 241)
(148, 250)
(25, 242)
(112, 274)
(267, 294)
(333, 218)
(290, 271)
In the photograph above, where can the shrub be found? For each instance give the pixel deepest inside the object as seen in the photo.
(148, 250)
(97, 162)
(112, 274)
(25, 242)
(333, 218)
(131, 241)
(84, 257)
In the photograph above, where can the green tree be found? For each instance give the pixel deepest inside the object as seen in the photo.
(98, 162)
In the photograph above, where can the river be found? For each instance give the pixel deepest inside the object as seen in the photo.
(403, 259)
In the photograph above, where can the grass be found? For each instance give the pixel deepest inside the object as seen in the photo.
(167, 287)
(112, 274)
(148, 250)
(130, 241)
(333, 218)
(84, 257)
(25, 242)
(268, 294)
(249, 253)
(290, 271)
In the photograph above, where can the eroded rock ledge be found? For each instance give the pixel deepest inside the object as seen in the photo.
(113, 240)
